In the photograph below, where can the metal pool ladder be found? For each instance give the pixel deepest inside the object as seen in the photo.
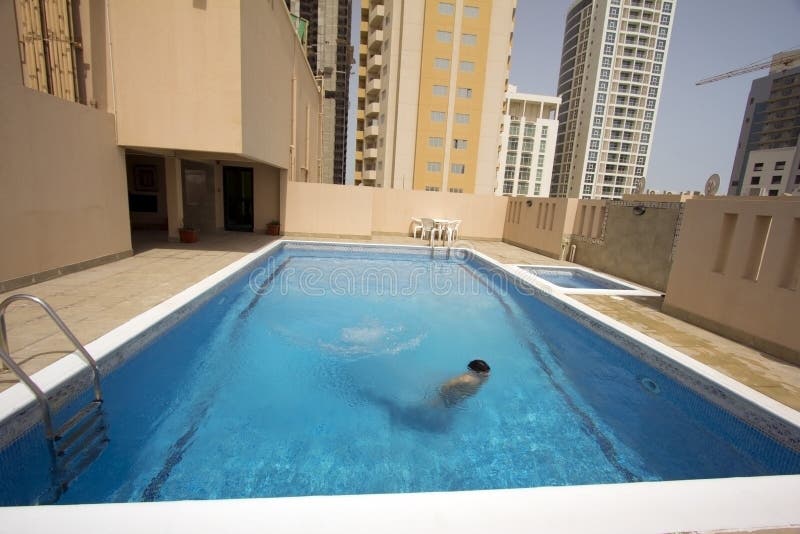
(76, 443)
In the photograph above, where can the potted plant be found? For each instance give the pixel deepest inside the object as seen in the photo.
(274, 228)
(188, 234)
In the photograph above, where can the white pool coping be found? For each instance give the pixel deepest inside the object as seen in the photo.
(631, 289)
(692, 505)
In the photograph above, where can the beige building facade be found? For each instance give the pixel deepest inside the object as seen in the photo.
(612, 73)
(527, 144)
(432, 79)
(198, 125)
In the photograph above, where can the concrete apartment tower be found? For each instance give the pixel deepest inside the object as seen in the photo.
(612, 72)
(431, 82)
(527, 144)
(330, 56)
(767, 159)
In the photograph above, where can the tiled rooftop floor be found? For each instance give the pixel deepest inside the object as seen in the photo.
(94, 301)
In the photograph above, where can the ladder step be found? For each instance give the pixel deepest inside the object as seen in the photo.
(64, 457)
(77, 418)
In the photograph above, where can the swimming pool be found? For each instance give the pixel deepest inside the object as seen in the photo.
(316, 373)
(579, 280)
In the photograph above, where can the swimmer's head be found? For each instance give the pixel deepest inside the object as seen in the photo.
(479, 366)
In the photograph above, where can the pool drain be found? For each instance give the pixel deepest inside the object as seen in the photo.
(650, 385)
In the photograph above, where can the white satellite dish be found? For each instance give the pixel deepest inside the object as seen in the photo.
(712, 185)
(638, 187)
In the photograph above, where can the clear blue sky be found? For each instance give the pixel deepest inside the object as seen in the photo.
(698, 126)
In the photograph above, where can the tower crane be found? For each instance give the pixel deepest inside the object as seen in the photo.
(786, 59)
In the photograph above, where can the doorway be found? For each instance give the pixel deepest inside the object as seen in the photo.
(237, 187)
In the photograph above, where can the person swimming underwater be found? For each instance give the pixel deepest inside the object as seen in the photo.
(464, 385)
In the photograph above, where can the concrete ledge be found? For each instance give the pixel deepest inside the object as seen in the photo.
(333, 236)
(785, 353)
(22, 281)
(533, 249)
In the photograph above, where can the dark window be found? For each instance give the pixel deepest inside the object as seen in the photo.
(758, 166)
(773, 192)
(780, 165)
(755, 180)
(776, 179)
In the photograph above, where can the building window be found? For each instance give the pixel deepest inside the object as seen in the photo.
(652, 92)
(508, 187)
(513, 143)
(651, 103)
(526, 159)
(542, 145)
(438, 116)
(435, 142)
(663, 32)
(780, 165)
(596, 133)
(539, 174)
(587, 189)
(457, 168)
(661, 44)
(776, 179)
(599, 109)
(613, 12)
(440, 90)
(598, 121)
(544, 131)
(773, 192)
(456, 189)
(522, 188)
(611, 37)
(659, 56)
(462, 118)
(640, 160)
(648, 115)
(446, 8)
(540, 161)
(441, 63)
(656, 69)
(602, 86)
(514, 128)
(464, 92)
(508, 173)
(588, 178)
(511, 158)
(601, 98)
(469, 39)
(605, 74)
(608, 50)
(665, 20)
(755, 180)
(460, 144)
(527, 145)
(530, 130)
(592, 156)
(667, 7)
(471, 12)
(595, 144)
(466, 66)
(758, 167)
(434, 166)
(431, 188)
(443, 36)
(647, 126)
(524, 175)
(612, 24)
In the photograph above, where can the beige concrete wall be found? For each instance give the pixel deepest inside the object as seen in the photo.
(718, 282)
(362, 211)
(221, 77)
(543, 226)
(276, 80)
(266, 196)
(482, 216)
(177, 74)
(327, 209)
(610, 237)
(64, 193)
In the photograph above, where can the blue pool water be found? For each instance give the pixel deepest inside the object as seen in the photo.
(574, 278)
(325, 381)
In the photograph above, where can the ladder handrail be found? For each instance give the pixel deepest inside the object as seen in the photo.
(5, 354)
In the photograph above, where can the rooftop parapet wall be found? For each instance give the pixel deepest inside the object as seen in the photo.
(350, 211)
(542, 225)
(736, 271)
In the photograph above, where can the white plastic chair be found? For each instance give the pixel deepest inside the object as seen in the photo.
(417, 222)
(429, 227)
(451, 230)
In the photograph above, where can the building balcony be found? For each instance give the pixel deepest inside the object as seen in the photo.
(375, 39)
(371, 153)
(373, 109)
(372, 131)
(376, 15)
(374, 86)
(375, 63)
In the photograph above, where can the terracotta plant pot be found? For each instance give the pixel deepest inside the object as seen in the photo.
(273, 229)
(188, 235)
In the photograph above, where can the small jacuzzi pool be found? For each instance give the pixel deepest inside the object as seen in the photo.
(580, 280)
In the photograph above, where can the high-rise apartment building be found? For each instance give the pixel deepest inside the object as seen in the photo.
(432, 79)
(527, 144)
(612, 72)
(767, 161)
(330, 56)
